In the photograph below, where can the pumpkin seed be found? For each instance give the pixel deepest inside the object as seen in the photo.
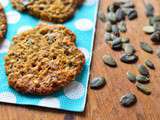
(157, 26)
(149, 64)
(155, 37)
(116, 44)
(122, 26)
(108, 60)
(128, 49)
(97, 82)
(131, 77)
(154, 19)
(128, 100)
(126, 10)
(111, 17)
(146, 47)
(149, 10)
(107, 37)
(142, 79)
(129, 58)
(120, 15)
(132, 14)
(125, 40)
(151, 21)
(158, 52)
(148, 29)
(114, 7)
(102, 16)
(108, 26)
(143, 88)
(143, 70)
(115, 28)
(113, 37)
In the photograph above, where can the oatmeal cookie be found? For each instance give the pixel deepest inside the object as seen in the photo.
(50, 10)
(42, 60)
(3, 23)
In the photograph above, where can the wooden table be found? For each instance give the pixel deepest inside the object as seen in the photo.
(104, 104)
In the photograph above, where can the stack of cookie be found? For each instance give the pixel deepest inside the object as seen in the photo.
(44, 59)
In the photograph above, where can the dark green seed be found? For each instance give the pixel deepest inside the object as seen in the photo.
(114, 7)
(111, 17)
(115, 28)
(116, 44)
(142, 79)
(143, 88)
(148, 29)
(154, 19)
(129, 58)
(149, 64)
(149, 10)
(132, 14)
(122, 26)
(107, 37)
(126, 10)
(125, 40)
(108, 26)
(128, 100)
(156, 26)
(143, 70)
(97, 82)
(108, 60)
(151, 21)
(113, 37)
(131, 77)
(102, 17)
(120, 15)
(155, 37)
(146, 47)
(128, 49)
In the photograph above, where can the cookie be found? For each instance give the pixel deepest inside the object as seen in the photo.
(49, 10)
(3, 23)
(43, 60)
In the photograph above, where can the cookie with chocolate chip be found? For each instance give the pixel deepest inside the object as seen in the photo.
(3, 23)
(49, 10)
(43, 60)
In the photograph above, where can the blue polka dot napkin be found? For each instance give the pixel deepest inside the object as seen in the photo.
(72, 97)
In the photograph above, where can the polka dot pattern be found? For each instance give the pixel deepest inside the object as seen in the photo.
(83, 24)
(85, 52)
(13, 17)
(49, 102)
(74, 91)
(73, 96)
(7, 97)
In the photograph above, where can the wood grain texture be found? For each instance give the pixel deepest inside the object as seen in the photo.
(104, 104)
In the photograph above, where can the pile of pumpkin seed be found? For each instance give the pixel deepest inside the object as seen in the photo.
(115, 24)
(153, 27)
